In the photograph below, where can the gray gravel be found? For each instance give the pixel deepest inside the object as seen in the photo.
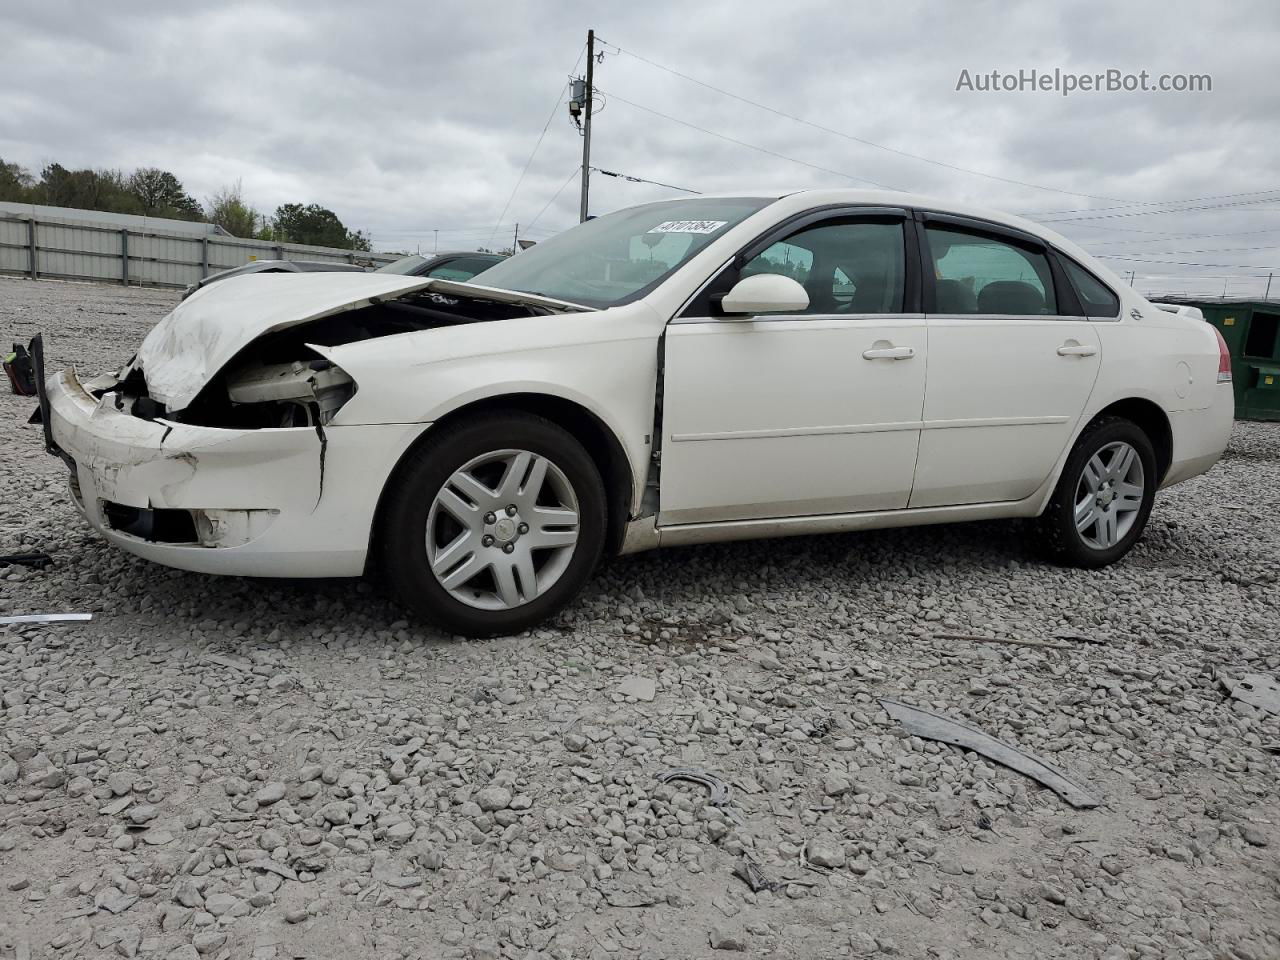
(234, 768)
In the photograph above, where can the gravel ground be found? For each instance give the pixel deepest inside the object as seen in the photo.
(238, 768)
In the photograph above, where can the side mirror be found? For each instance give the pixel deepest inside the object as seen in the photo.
(765, 293)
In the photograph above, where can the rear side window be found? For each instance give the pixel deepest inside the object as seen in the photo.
(1095, 296)
(974, 273)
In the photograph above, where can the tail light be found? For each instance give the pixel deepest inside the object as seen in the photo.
(1224, 358)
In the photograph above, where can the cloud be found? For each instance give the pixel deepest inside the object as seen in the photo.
(408, 118)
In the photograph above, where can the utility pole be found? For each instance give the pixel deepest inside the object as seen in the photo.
(1267, 295)
(586, 126)
(515, 241)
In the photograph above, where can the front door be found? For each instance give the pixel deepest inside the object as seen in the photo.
(1009, 372)
(816, 412)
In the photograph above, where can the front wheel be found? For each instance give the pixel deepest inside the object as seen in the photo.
(1103, 498)
(493, 524)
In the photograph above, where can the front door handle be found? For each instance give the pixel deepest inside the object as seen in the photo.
(1073, 348)
(889, 353)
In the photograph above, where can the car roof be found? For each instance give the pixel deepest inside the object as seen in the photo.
(799, 200)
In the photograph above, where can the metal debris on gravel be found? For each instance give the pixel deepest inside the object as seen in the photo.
(924, 723)
(45, 618)
(1259, 691)
(720, 792)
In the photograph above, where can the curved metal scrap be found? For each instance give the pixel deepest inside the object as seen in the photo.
(720, 794)
(934, 726)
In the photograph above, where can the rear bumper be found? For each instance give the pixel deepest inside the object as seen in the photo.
(290, 502)
(1200, 436)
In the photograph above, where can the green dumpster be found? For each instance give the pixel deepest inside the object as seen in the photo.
(1251, 329)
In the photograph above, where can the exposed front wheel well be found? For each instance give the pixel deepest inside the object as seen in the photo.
(1153, 421)
(604, 448)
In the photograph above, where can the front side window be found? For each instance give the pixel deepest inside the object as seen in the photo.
(1095, 296)
(845, 267)
(787, 259)
(974, 273)
(621, 256)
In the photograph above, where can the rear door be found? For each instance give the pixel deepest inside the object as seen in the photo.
(1011, 363)
(815, 412)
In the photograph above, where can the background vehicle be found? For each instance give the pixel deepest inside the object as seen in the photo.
(461, 265)
(679, 372)
(274, 266)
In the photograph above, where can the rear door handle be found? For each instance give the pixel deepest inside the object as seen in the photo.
(889, 353)
(1073, 349)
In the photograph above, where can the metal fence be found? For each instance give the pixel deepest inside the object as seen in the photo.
(81, 250)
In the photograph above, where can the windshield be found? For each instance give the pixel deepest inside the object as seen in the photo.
(404, 266)
(619, 257)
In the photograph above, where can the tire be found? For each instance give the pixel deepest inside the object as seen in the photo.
(1108, 527)
(452, 552)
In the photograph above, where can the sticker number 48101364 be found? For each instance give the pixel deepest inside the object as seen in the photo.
(688, 226)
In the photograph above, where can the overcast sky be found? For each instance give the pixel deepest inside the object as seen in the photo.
(405, 118)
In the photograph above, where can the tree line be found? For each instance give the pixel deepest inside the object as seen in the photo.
(149, 191)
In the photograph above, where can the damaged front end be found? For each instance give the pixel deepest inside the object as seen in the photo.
(219, 436)
(239, 355)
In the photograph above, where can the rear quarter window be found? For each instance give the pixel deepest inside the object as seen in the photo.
(1095, 296)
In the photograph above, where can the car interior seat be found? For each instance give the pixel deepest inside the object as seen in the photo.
(1011, 297)
(954, 297)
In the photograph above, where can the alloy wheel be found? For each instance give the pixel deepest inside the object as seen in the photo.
(1109, 495)
(502, 529)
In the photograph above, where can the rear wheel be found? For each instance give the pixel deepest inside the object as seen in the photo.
(494, 524)
(1103, 498)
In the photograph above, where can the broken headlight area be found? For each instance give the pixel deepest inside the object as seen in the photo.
(293, 394)
(202, 528)
(256, 394)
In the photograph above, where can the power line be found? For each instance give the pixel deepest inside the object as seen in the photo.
(914, 156)
(751, 146)
(546, 126)
(1155, 213)
(1184, 263)
(1160, 236)
(1172, 253)
(1149, 203)
(443, 231)
(656, 183)
(861, 140)
(554, 197)
(1201, 277)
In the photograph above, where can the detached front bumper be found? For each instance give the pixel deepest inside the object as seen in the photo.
(288, 502)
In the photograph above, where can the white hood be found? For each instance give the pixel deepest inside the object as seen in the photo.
(186, 349)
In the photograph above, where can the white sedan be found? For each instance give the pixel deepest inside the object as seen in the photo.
(678, 372)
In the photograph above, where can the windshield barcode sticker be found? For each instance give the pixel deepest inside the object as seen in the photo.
(688, 226)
